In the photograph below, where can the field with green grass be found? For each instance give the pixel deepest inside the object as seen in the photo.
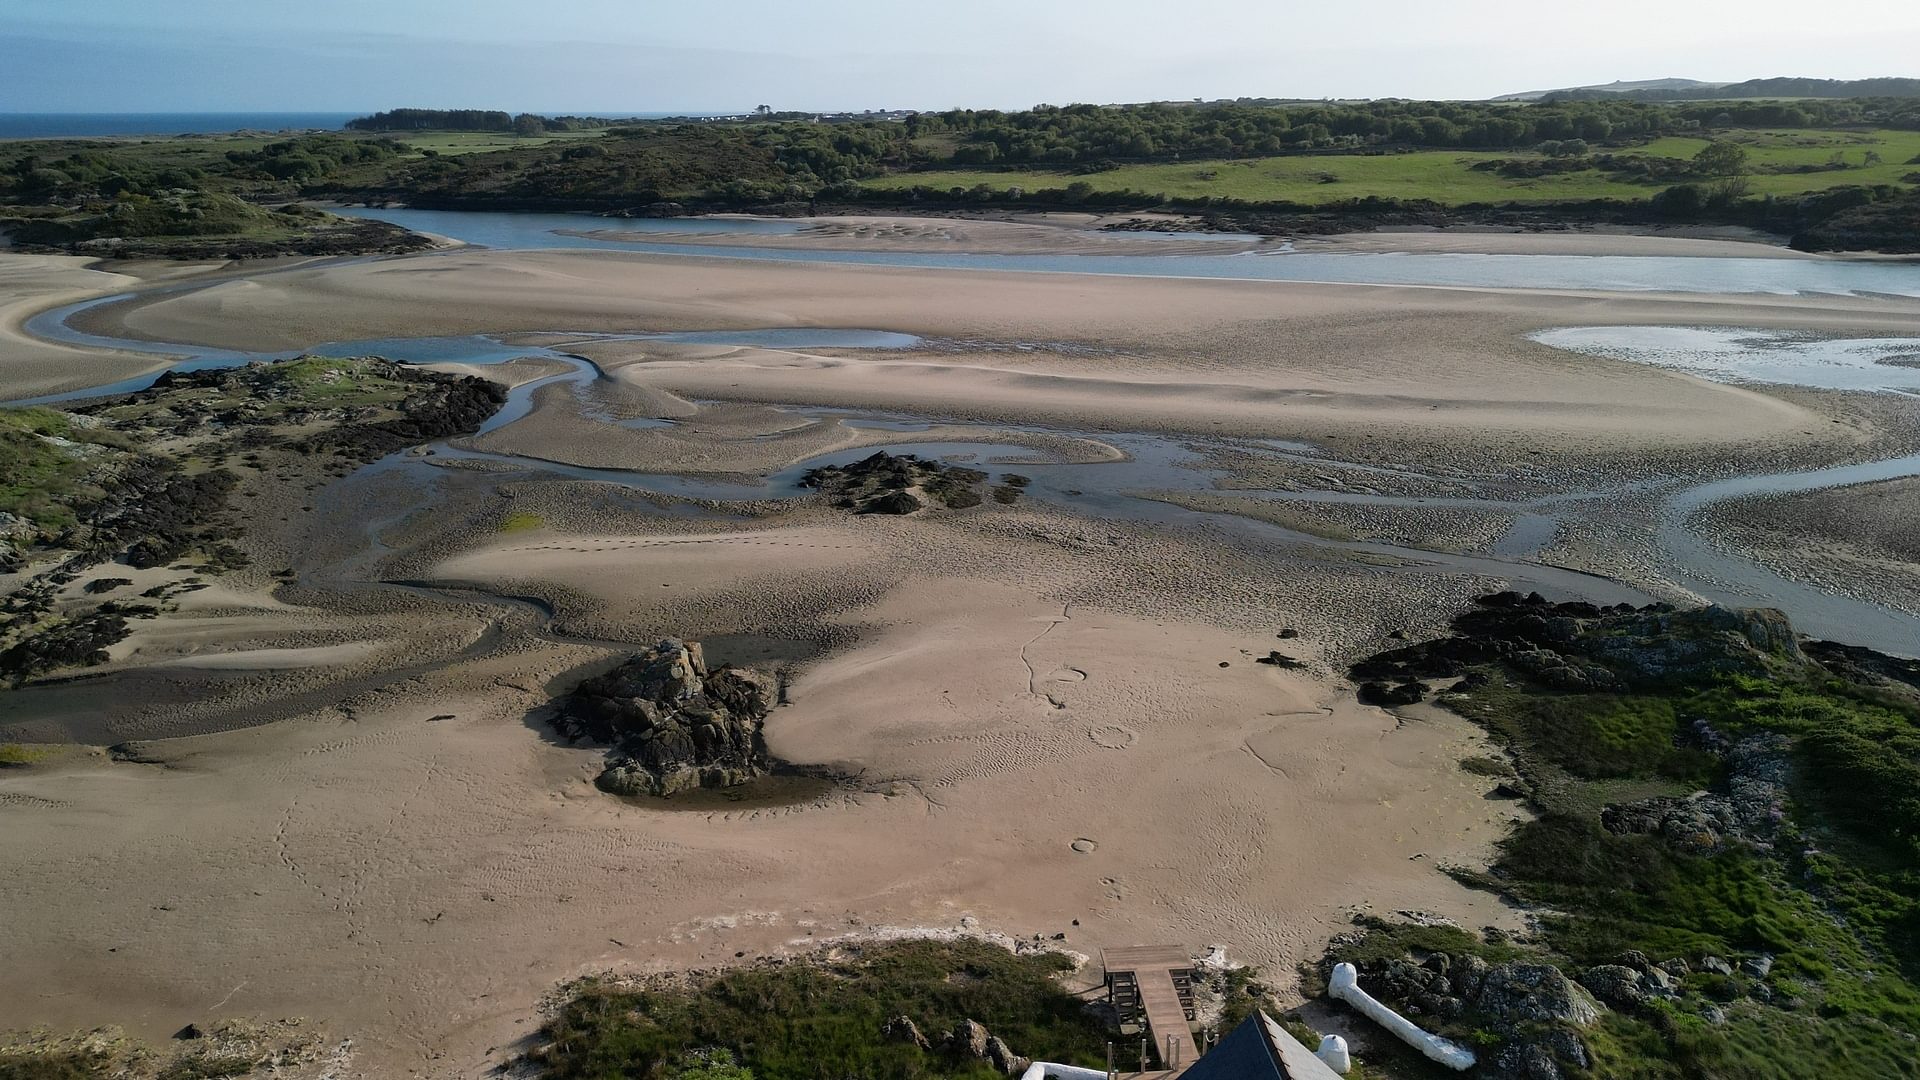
(455, 143)
(1449, 176)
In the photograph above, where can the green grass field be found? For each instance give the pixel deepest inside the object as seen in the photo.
(455, 143)
(1447, 176)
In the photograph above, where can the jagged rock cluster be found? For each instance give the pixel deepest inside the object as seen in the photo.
(1535, 1008)
(886, 483)
(671, 724)
(261, 394)
(969, 1040)
(1751, 810)
(1583, 647)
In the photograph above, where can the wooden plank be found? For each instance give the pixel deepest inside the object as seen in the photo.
(1145, 957)
(1165, 1016)
(1152, 969)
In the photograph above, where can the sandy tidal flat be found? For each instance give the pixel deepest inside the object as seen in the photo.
(1037, 715)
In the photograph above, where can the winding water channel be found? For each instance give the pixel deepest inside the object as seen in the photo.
(1114, 490)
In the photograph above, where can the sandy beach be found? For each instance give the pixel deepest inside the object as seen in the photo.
(30, 284)
(339, 797)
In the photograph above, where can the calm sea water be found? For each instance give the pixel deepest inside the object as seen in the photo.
(71, 125)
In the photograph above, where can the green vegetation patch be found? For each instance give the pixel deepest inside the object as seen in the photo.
(821, 1017)
(43, 466)
(1775, 163)
(522, 521)
(1802, 846)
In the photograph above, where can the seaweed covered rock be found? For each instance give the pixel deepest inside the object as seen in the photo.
(80, 642)
(672, 724)
(884, 483)
(1586, 648)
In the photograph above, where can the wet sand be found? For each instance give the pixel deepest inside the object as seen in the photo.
(1000, 233)
(1212, 357)
(30, 284)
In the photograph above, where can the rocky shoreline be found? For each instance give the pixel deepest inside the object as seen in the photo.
(150, 480)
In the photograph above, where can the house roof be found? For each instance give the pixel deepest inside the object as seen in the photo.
(1259, 1049)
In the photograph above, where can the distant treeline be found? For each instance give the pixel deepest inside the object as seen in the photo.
(474, 120)
(1087, 136)
(1757, 88)
(1091, 133)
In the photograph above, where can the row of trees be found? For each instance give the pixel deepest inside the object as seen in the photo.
(1079, 133)
(116, 172)
(474, 120)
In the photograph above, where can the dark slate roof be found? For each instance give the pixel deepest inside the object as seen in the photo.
(1259, 1049)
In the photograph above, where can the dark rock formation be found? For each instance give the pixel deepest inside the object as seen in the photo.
(1862, 665)
(1533, 1008)
(1375, 692)
(895, 503)
(884, 483)
(1578, 646)
(81, 642)
(672, 724)
(968, 1039)
(1275, 658)
(1615, 984)
(442, 406)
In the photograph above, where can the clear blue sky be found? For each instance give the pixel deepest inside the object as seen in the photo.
(640, 55)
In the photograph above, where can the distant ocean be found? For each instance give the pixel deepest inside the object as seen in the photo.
(69, 125)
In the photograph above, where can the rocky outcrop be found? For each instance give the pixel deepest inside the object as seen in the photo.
(884, 483)
(1751, 810)
(903, 1029)
(80, 642)
(671, 724)
(1534, 1008)
(1581, 647)
(1534, 993)
(437, 407)
(970, 1039)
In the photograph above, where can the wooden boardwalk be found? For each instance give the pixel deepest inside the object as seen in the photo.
(1154, 984)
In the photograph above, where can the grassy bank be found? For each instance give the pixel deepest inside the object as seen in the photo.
(824, 1017)
(1450, 177)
